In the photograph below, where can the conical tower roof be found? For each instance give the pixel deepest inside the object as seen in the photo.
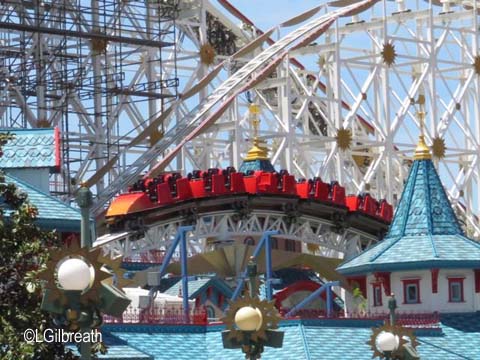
(257, 157)
(425, 232)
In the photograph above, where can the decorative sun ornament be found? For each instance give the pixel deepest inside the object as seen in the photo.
(114, 266)
(269, 316)
(404, 336)
(91, 258)
(313, 248)
(476, 64)
(43, 124)
(321, 62)
(207, 54)
(344, 138)
(438, 148)
(388, 54)
(98, 45)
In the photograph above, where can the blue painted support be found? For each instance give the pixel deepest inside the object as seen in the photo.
(179, 238)
(241, 280)
(264, 241)
(313, 296)
(183, 263)
(329, 302)
(268, 267)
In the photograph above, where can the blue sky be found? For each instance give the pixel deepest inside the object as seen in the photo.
(267, 13)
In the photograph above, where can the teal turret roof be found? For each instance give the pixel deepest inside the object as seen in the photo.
(256, 165)
(52, 213)
(425, 233)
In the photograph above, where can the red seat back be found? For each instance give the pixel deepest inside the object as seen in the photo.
(198, 188)
(370, 205)
(321, 191)
(268, 183)
(236, 183)
(385, 211)
(183, 189)
(218, 184)
(288, 184)
(164, 194)
(304, 189)
(250, 184)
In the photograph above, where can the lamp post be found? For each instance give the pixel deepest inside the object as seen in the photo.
(247, 319)
(391, 341)
(74, 277)
(392, 306)
(387, 342)
(74, 289)
(85, 201)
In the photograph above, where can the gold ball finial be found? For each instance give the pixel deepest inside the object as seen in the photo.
(422, 151)
(257, 152)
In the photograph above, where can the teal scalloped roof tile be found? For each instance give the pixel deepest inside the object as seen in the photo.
(312, 340)
(197, 284)
(193, 287)
(31, 148)
(424, 207)
(52, 213)
(424, 232)
(178, 346)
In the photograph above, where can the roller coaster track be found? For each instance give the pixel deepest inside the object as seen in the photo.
(192, 123)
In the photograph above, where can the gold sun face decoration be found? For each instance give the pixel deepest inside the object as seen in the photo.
(438, 148)
(344, 138)
(207, 54)
(98, 45)
(114, 267)
(476, 64)
(388, 54)
(270, 318)
(404, 336)
(96, 263)
(313, 248)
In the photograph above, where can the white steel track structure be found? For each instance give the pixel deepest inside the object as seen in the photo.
(225, 225)
(343, 81)
(346, 79)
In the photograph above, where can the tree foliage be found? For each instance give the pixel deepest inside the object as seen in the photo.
(24, 249)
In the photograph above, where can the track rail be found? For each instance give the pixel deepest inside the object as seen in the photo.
(193, 121)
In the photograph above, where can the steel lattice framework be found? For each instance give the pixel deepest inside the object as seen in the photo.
(362, 66)
(223, 224)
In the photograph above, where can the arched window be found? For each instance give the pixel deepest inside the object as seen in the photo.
(210, 312)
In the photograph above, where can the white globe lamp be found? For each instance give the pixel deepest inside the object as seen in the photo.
(387, 342)
(248, 318)
(75, 274)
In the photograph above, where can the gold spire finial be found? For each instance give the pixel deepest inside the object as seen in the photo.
(257, 151)
(422, 152)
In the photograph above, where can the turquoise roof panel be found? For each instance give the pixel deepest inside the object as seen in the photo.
(256, 165)
(343, 339)
(424, 233)
(197, 285)
(31, 148)
(52, 213)
(119, 352)
(194, 287)
(424, 207)
(178, 346)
